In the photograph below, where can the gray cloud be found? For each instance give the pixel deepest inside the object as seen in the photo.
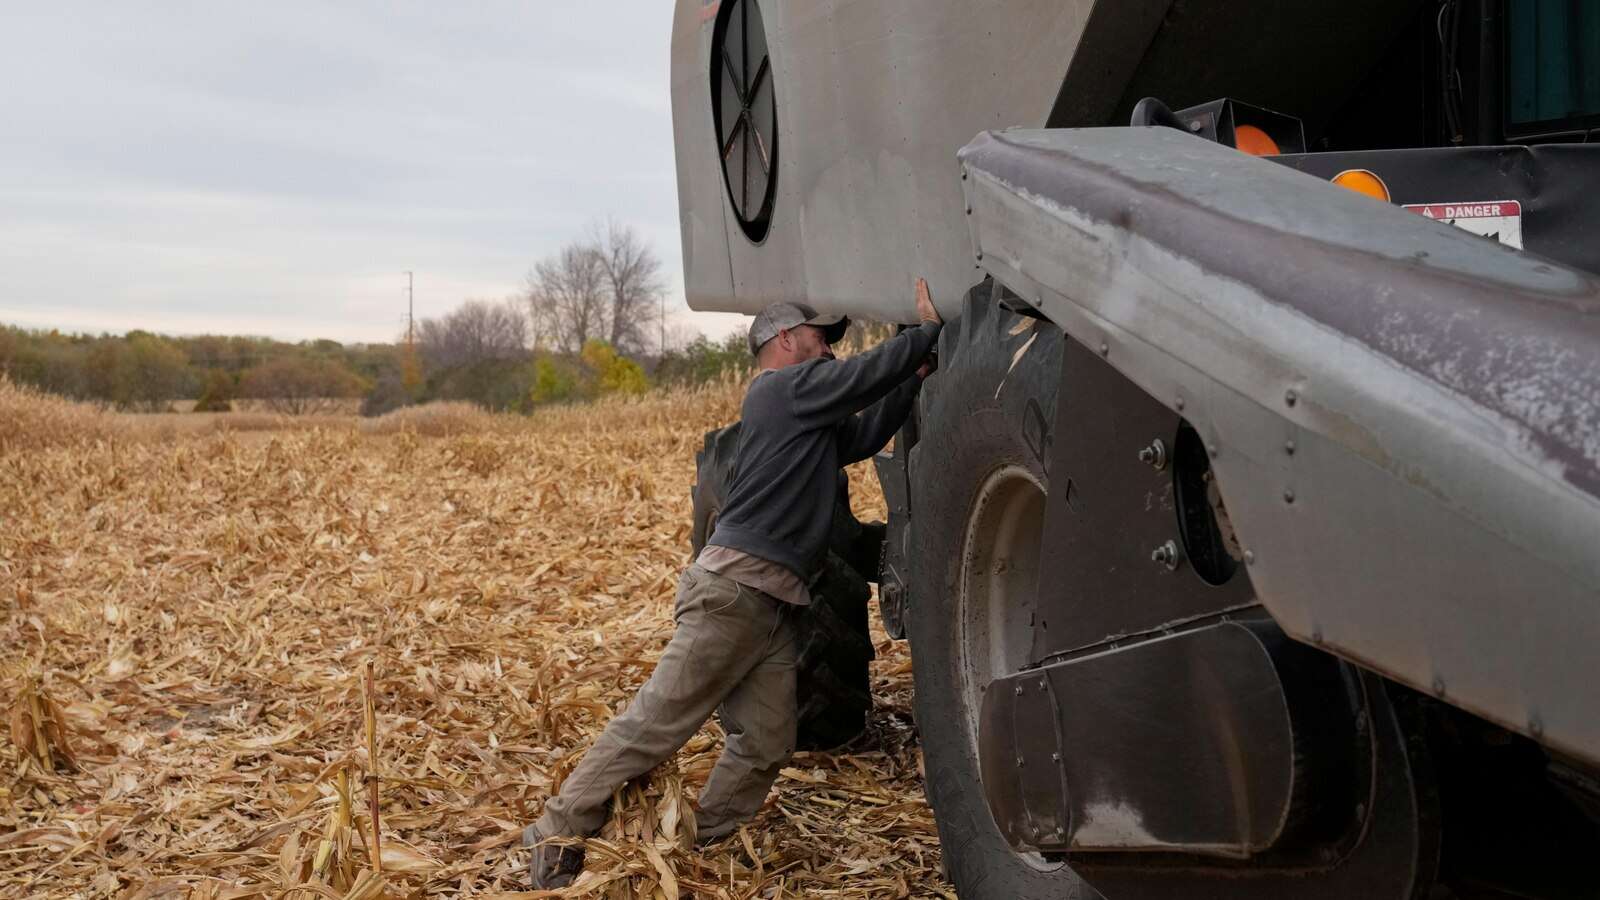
(273, 169)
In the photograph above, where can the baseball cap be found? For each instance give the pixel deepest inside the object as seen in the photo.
(779, 316)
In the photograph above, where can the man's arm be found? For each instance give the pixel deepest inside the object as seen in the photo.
(834, 390)
(862, 435)
(828, 391)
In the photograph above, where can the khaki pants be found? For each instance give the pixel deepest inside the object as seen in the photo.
(734, 647)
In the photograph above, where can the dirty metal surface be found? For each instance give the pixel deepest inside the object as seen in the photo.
(1111, 511)
(1181, 744)
(1395, 853)
(1406, 417)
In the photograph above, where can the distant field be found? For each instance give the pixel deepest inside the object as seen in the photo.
(187, 603)
(343, 406)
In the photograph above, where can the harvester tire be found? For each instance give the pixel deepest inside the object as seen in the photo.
(833, 684)
(987, 408)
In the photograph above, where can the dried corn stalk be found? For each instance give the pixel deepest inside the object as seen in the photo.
(204, 590)
(38, 730)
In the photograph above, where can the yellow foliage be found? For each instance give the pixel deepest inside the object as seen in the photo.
(615, 374)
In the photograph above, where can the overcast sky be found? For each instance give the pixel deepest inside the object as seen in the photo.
(274, 168)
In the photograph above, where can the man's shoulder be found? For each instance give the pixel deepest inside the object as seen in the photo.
(769, 381)
(767, 387)
(772, 386)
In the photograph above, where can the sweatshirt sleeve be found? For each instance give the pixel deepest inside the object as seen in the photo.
(862, 435)
(829, 391)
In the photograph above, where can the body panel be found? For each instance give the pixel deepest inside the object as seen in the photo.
(873, 99)
(1404, 418)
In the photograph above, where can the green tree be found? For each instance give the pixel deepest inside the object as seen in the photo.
(216, 392)
(553, 382)
(107, 372)
(704, 360)
(158, 372)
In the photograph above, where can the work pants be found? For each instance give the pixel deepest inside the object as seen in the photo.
(734, 647)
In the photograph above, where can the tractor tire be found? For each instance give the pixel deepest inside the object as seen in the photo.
(832, 680)
(986, 410)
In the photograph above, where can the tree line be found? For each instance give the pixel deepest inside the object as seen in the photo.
(591, 320)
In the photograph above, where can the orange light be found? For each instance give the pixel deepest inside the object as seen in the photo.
(1254, 141)
(1363, 182)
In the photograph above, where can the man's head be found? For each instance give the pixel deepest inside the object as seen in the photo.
(787, 333)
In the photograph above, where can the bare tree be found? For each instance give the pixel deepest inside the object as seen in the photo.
(634, 282)
(567, 298)
(298, 386)
(474, 332)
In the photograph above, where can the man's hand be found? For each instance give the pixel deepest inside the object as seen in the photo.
(925, 308)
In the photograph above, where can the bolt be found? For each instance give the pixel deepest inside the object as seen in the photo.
(1211, 449)
(963, 173)
(1249, 557)
(1019, 690)
(1105, 349)
(1361, 721)
(1361, 810)
(1288, 496)
(1043, 686)
(1055, 757)
(1179, 404)
(980, 254)
(1155, 455)
(1019, 762)
(1316, 634)
(969, 210)
(1290, 396)
(1288, 446)
(1536, 726)
(1196, 125)
(1167, 554)
(1438, 685)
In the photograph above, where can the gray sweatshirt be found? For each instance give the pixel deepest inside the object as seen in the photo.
(802, 423)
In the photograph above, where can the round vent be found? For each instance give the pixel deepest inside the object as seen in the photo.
(745, 114)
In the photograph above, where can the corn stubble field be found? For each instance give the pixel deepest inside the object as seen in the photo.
(187, 607)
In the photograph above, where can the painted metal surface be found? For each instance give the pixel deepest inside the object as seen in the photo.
(1406, 417)
(874, 97)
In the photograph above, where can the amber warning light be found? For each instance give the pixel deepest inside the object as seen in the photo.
(1363, 182)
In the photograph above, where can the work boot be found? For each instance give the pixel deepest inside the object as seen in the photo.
(553, 864)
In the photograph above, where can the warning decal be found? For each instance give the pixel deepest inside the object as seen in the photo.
(1498, 219)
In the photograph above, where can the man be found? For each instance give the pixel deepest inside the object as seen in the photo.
(806, 414)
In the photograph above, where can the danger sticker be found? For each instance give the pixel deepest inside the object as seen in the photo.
(1498, 219)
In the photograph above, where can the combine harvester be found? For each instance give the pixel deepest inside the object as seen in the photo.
(1248, 541)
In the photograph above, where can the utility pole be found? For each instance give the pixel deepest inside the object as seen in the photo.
(410, 370)
(411, 318)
